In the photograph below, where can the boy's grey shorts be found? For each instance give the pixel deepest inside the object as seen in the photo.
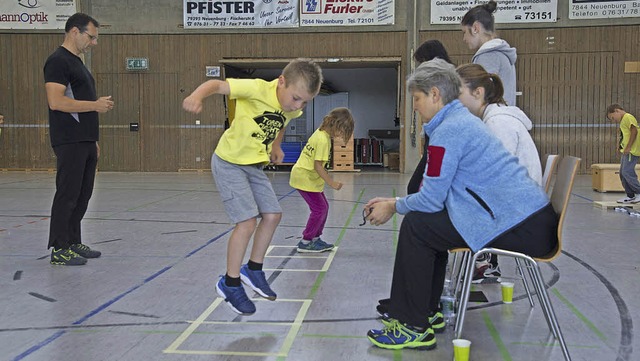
(245, 190)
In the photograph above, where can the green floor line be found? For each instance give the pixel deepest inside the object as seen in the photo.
(496, 337)
(252, 334)
(397, 355)
(544, 344)
(316, 285)
(320, 278)
(346, 224)
(319, 335)
(579, 314)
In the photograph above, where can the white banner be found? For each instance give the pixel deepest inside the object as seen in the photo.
(35, 14)
(508, 11)
(346, 12)
(240, 14)
(581, 9)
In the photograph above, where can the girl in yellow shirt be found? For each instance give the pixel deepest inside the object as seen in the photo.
(309, 175)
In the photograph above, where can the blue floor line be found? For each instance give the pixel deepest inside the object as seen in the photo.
(117, 298)
(114, 300)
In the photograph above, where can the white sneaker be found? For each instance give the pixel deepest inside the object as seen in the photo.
(630, 200)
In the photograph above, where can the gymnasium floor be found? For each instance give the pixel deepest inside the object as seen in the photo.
(163, 236)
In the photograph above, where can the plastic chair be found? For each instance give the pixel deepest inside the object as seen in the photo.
(559, 200)
(463, 255)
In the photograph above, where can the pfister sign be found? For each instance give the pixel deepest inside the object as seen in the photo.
(240, 14)
(35, 14)
(346, 12)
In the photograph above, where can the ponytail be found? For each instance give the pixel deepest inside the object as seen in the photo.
(474, 76)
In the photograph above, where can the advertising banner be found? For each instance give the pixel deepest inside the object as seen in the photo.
(240, 14)
(347, 12)
(589, 9)
(35, 14)
(508, 11)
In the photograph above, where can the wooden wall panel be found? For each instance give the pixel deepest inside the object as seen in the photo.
(169, 138)
(160, 133)
(24, 142)
(568, 77)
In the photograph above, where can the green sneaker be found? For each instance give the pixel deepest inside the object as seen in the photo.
(66, 257)
(85, 251)
(397, 336)
(436, 320)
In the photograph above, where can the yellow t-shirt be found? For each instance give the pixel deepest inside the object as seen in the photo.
(303, 173)
(258, 119)
(626, 123)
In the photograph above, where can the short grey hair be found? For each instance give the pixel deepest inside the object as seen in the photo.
(436, 73)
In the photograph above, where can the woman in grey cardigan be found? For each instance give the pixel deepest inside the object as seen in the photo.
(493, 53)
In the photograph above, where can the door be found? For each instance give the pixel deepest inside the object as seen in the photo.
(142, 132)
(119, 146)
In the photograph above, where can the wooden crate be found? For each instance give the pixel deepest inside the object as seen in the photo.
(393, 160)
(339, 147)
(343, 166)
(605, 177)
(342, 157)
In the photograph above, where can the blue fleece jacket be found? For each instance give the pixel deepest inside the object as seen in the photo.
(471, 174)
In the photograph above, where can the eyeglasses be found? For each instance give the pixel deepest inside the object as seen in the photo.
(364, 216)
(91, 37)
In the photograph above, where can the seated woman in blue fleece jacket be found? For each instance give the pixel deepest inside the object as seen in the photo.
(474, 194)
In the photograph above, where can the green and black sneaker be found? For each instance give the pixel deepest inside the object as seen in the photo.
(85, 251)
(437, 322)
(66, 257)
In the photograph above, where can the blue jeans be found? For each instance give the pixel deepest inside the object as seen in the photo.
(628, 175)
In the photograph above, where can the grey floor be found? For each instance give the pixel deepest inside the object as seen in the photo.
(163, 236)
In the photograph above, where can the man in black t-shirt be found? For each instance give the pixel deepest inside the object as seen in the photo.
(73, 126)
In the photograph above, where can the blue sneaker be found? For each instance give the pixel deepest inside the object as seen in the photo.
(257, 281)
(397, 336)
(236, 298)
(315, 246)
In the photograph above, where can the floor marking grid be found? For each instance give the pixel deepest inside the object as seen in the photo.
(325, 267)
(294, 326)
(201, 320)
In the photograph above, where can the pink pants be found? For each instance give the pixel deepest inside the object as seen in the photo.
(319, 207)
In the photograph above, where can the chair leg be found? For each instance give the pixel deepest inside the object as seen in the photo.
(551, 313)
(460, 275)
(454, 267)
(524, 281)
(466, 290)
(540, 287)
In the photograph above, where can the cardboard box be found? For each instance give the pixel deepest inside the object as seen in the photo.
(606, 177)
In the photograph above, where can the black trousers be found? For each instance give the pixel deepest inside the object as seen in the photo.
(76, 171)
(421, 257)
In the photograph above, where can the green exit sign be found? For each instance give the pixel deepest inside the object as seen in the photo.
(137, 63)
